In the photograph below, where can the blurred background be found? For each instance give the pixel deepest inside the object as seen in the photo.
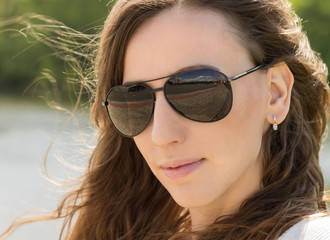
(38, 93)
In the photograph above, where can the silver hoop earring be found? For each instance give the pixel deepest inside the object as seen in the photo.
(275, 126)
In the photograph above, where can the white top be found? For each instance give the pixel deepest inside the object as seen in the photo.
(313, 228)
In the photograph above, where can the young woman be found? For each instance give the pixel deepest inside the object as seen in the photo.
(210, 115)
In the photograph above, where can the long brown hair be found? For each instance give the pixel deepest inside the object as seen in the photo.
(119, 197)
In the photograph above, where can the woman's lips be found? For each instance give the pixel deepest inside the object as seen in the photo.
(180, 170)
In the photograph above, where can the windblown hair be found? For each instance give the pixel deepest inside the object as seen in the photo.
(119, 197)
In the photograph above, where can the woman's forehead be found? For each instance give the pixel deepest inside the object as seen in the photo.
(181, 37)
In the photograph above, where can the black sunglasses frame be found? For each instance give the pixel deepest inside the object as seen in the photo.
(230, 79)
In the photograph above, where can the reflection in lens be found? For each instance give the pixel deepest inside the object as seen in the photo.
(203, 95)
(130, 108)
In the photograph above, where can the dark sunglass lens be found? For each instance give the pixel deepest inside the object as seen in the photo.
(130, 108)
(203, 95)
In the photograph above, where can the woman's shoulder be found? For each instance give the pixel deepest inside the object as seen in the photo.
(316, 227)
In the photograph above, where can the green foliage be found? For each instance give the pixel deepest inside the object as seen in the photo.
(316, 22)
(30, 64)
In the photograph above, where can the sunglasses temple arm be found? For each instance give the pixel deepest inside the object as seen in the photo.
(244, 73)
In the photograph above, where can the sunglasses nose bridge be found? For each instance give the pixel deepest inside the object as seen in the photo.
(157, 89)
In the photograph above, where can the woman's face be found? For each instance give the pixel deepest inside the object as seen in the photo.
(209, 168)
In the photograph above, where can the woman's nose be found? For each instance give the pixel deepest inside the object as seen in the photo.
(167, 125)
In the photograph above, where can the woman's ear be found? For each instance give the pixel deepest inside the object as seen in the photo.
(279, 82)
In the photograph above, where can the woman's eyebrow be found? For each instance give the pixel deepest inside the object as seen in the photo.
(181, 70)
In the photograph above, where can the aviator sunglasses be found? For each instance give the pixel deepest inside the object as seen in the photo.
(203, 95)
